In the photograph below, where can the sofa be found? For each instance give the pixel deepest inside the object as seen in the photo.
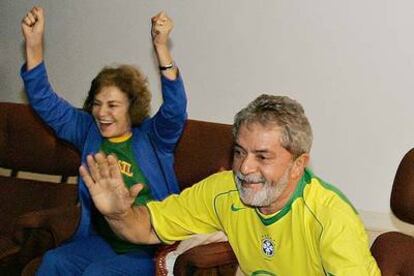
(26, 145)
(394, 251)
(38, 214)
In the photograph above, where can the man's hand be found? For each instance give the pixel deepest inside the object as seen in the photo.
(161, 28)
(115, 201)
(33, 27)
(106, 186)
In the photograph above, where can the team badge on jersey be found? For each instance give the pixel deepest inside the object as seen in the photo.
(268, 246)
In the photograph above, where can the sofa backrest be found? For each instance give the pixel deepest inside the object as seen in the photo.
(27, 144)
(203, 149)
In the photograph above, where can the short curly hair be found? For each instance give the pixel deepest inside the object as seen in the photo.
(282, 111)
(131, 81)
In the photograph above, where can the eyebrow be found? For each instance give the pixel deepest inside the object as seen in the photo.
(109, 102)
(236, 145)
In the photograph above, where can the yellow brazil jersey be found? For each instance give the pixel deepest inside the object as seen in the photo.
(318, 232)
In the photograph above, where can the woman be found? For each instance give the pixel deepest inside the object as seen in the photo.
(114, 120)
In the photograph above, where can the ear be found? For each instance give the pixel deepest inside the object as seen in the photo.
(299, 165)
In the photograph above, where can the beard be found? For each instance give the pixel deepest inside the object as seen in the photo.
(268, 194)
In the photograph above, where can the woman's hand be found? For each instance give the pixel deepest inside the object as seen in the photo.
(33, 27)
(161, 28)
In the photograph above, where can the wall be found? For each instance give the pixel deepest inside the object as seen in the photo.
(350, 63)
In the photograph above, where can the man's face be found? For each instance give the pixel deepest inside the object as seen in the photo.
(262, 167)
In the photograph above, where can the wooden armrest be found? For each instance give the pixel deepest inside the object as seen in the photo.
(7, 248)
(160, 258)
(60, 221)
(205, 256)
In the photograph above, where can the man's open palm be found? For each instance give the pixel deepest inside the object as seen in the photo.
(106, 185)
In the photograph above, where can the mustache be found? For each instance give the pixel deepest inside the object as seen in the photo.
(250, 178)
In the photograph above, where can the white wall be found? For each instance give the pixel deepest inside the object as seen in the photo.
(350, 63)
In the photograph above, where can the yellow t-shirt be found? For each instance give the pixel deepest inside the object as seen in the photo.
(318, 232)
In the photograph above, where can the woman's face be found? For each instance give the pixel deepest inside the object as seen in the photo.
(110, 110)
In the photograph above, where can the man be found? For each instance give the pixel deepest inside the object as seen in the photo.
(279, 217)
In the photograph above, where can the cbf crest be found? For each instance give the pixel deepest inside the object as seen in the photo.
(268, 246)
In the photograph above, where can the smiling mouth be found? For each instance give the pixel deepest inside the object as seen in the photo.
(104, 124)
(248, 183)
(251, 185)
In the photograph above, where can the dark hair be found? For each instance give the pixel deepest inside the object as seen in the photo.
(131, 81)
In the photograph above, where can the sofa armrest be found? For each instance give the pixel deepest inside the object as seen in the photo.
(208, 258)
(213, 255)
(394, 253)
(61, 222)
(161, 268)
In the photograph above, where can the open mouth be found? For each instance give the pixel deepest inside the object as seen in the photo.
(104, 124)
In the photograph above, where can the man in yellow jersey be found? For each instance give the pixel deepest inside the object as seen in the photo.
(279, 217)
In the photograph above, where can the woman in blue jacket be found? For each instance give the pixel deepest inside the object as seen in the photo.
(115, 119)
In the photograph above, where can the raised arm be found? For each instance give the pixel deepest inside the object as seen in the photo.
(167, 124)
(68, 122)
(115, 202)
(160, 31)
(33, 27)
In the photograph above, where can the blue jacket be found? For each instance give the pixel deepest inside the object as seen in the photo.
(153, 141)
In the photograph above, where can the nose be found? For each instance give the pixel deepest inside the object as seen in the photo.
(101, 111)
(248, 165)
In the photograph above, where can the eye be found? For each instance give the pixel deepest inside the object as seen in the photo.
(95, 103)
(238, 153)
(114, 105)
